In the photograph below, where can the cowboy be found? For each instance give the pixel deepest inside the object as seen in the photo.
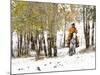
(72, 30)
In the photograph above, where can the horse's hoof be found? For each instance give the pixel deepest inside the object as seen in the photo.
(70, 54)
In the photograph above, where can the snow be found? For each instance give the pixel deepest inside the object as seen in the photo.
(60, 63)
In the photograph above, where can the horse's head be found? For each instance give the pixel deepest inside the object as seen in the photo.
(73, 40)
(74, 35)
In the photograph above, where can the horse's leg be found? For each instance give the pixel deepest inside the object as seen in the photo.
(70, 51)
(74, 51)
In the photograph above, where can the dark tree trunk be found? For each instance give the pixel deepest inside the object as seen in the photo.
(20, 45)
(49, 47)
(24, 44)
(88, 35)
(92, 40)
(37, 52)
(28, 36)
(64, 34)
(86, 26)
(12, 51)
(55, 48)
(52, 46)
(40, 48)
(45, 51)
(32, 43)
(93, 25)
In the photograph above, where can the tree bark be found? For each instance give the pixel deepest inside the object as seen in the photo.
(86, 26)
(65, 33)
(92, 40)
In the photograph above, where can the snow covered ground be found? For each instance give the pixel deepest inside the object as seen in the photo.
(60, 63)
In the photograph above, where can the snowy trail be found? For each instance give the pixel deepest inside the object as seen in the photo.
(60, 63)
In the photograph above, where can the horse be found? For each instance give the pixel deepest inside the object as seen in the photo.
(72, 46)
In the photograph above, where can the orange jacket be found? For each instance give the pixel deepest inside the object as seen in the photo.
(72, 30)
